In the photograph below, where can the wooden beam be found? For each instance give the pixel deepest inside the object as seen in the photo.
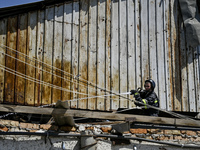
(100, 115)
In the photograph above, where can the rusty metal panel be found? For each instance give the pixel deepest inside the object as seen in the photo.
(101, 54)
(131, 48)
(31, 53)
(67, 47)
(92, 53)
(3, 36)
(20, 65)
(115, 54)
(48, 52)
(75, 53)
(57, 53)
(83, 51)
(107, 63)
(39, 56)
(123, 51)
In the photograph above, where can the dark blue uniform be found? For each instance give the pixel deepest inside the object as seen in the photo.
(149, 98)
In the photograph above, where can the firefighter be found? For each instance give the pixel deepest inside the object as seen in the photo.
(147, 96)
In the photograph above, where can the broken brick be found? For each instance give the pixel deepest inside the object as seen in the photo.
(45, 126)
(4, 129)
(106, 129)
(138, 131)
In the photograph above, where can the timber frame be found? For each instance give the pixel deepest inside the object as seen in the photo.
(100, 115)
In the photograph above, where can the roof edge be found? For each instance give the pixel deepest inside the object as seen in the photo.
(15, 10)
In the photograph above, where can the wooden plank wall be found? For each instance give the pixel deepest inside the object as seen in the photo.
(91, 48)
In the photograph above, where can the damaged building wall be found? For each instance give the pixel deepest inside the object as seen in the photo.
(113, 45)
(180, 138)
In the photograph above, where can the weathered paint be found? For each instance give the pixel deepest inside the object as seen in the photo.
(48, 52)
(114, 55)
(198, 77)
(57, 52)
(191, 84)
(75, 53)
(184, 83)
(137, 44)
(92, 53)
(152, 43)
(108, 46)
(160, 53)
(114, 45)
(101, 53)
(20, 66)
(131, 48)
(3, 31)
(67, 45)
(168, 65)
(83, 52)
(123, 51)
(196, 69)
(39, 56)
(31, 53)
(144, 41)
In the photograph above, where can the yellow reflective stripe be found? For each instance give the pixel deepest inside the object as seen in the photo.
(136, 93)
(156, 101)
(144, 101)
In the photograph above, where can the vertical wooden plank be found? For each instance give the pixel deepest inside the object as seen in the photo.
(175, 56)
(115, 55)
(39, 55)
(197, 75)
(101, 54)
(92, 52)
(20, 66)
(57, 52)
(10, 62)
(31, 52)
(3, 36)
(67, 47)
(153, 72)
(108, 57)
(168, 59)
(137, 44)
(48, 48)
(161, 55)
(131, 48)
(83, 47)
(144, 41)
(198, 78)
(123, 51)
(183, 58)
(191, 84)
(75, 50)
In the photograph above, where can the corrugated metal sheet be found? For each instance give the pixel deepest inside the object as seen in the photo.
(112, 45)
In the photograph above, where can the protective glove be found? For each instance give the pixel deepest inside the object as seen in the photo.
(133, 92)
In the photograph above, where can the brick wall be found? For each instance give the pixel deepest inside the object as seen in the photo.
(177, 136)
